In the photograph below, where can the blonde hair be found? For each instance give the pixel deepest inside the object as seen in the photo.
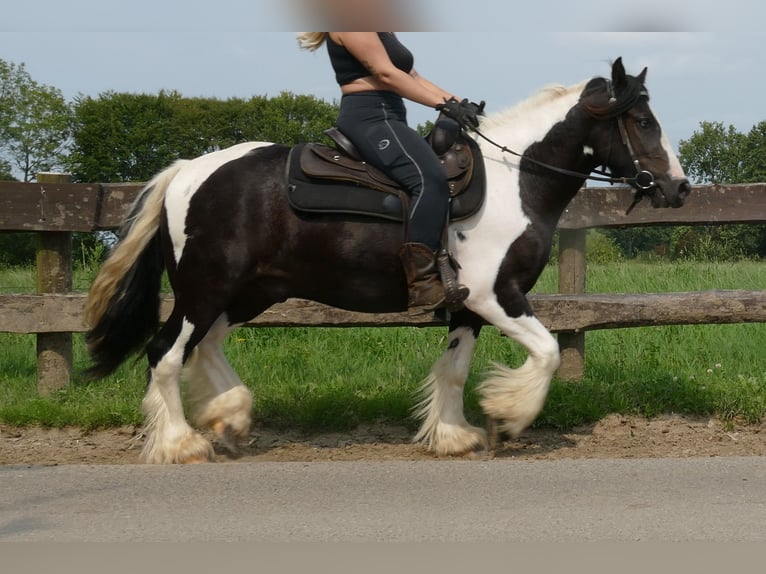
(311, 40)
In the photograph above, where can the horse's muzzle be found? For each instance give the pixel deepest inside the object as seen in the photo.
(671, 193)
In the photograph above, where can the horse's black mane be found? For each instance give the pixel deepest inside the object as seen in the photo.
(597, 93)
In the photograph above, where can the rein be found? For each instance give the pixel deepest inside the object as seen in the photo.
(561, 170)
(642, 182)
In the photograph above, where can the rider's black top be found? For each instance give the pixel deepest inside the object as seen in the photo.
(348, 68)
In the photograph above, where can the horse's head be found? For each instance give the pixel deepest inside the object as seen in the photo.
(629, 141)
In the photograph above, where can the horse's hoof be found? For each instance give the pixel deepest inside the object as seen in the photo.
(458, 441)
(197, 460)
(226, 437)
(191, 449)
(479, 451)
(199, 451)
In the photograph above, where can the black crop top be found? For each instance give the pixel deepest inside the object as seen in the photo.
(348, 68)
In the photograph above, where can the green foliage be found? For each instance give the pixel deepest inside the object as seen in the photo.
(717, 243)
(718, 154)
(130, 137)
(34, 123)
(88, 251)
(17, 249)
(753, 156)
(599, 247)
(5, 171)
(425, 129)
(635, 241)
(713, 154)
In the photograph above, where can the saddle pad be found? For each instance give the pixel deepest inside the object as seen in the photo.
(321, 196)
(314, 195)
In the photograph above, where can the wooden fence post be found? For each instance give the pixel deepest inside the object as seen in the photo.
(54, 275)
(572, 281)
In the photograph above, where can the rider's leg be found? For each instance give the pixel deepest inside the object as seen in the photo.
(378, 127)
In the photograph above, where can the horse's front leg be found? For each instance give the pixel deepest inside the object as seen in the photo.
(514, 397)
(444, 428)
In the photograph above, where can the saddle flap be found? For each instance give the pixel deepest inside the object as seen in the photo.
(324, 162)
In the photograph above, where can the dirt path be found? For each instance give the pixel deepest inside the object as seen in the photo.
(614, 437)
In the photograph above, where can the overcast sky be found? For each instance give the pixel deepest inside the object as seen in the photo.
(708, 62)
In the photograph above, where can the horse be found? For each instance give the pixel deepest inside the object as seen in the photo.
(232, 246)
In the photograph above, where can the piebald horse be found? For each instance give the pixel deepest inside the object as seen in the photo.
(232, 246)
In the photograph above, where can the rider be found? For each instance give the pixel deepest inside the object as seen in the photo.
(375, 72)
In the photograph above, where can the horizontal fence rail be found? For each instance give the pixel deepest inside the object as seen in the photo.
(52, 313)
(55, 208)
(101, 207)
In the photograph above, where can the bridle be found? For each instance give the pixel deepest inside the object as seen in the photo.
(644, 179)
(642, 182)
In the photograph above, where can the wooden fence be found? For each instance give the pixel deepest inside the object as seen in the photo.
(55, 208)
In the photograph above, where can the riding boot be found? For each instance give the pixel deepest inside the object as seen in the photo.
(426, 290)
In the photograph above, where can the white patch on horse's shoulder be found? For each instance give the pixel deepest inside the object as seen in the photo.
(587, 150)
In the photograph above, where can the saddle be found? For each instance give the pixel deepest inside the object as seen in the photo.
(325, 179)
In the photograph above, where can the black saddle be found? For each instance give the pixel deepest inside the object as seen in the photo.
(324, 179)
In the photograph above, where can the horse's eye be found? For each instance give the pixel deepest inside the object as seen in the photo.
(644, 123)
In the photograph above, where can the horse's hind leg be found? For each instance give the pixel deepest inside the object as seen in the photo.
(169, 438)
(219, 400)
(444, 428)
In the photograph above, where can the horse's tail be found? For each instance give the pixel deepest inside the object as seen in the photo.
(123, 306)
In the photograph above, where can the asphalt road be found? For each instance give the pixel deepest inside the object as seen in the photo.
(714, 499)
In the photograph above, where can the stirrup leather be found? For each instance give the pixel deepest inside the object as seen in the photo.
(454, 293)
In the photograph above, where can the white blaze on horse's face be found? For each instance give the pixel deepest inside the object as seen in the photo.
(188, 181)
(676, 171)
(654, 154)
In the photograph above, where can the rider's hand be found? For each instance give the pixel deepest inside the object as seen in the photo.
(465, 113)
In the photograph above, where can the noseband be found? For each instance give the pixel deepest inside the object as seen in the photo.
(642, 182)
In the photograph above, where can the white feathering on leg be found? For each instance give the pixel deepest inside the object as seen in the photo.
(444, 428)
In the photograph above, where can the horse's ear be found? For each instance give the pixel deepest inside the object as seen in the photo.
(618, 73)
(642, 76)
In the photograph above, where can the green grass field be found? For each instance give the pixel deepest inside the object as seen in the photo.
(312, 378)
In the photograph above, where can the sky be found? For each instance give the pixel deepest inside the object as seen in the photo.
(706, 60)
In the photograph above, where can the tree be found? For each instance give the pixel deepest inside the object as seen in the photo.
(34, 122)
(5, 171)
(718, 154)
(122, 137)
(714, 154)
(753, 153)
(130, 137)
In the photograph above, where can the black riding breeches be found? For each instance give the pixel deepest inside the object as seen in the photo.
(376, 123)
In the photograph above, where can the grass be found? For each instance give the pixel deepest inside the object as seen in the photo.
(312, 378)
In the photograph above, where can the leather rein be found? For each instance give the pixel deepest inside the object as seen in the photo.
(643, 181)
